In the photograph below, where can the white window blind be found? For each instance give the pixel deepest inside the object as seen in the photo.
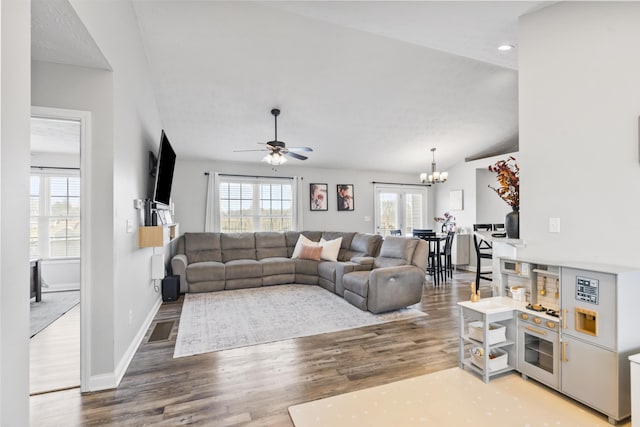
(256, 203)
(54, 230)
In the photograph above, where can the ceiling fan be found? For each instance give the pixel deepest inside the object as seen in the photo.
(278, 149)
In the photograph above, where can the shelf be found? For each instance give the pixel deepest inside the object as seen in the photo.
(469, 364)
(156, 235)
(470, 340)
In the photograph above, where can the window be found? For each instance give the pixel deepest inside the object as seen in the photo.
(256, 204)
(402, 208)
(54, 230)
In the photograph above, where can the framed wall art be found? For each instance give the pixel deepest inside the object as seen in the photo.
(318, 197)
(345, 197)
(456, 200)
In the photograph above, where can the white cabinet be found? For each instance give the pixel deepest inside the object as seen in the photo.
(460, 249)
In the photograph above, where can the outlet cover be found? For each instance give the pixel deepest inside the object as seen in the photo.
(554, 225)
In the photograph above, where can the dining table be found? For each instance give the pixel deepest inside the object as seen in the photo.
(435, 259)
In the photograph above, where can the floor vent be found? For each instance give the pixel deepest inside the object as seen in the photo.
(161, 331)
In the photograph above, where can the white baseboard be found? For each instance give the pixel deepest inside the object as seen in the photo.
(112, 380)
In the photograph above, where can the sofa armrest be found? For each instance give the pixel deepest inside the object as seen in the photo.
(391, 288)
(179, 267)
(343, 268)
(363, 261)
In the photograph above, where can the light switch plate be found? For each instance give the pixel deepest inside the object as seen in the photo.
(554, 225)
(129, 226)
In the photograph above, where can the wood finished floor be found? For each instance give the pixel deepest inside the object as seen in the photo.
(54, 356)
(254, 386)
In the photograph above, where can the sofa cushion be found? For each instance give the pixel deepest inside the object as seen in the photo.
(311, 252)
(201, 247)
(330, 249)
(327, 270)
(242, 268)
(398, 247)
(346, 242)
(270, 244)
(205, 271)
(237, 246)
(306, 267)
(279, 265)
(364, 244)
(357, 282)
(302, 241)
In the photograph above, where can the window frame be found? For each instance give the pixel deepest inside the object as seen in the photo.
(44, 238)
(256, 182)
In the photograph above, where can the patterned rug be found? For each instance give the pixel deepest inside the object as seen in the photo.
(52, 306)
(229, 319)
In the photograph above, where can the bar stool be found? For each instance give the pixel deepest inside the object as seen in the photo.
(484, 250)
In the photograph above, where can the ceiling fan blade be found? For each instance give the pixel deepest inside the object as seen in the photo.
(294, 155)
(299, 149)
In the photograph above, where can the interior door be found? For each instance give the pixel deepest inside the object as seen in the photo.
(400, 208)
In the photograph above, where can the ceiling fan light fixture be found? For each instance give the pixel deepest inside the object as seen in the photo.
(274, 159)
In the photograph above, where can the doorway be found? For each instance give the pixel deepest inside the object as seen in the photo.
(57, 245)
(400, 208)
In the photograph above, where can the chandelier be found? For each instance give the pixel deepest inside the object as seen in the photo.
(435, 176)
(274, 158)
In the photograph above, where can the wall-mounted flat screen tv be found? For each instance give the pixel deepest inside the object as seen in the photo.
(164, 172)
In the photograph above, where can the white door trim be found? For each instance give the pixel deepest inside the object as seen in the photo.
(85, 229)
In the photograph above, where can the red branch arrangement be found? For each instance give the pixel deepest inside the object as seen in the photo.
(509, 180)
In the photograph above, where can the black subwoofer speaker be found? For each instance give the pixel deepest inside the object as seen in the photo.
(170, 288)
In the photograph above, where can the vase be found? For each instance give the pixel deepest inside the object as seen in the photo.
(512, 224)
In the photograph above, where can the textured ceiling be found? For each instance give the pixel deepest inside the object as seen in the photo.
(58, 35)
(368, 85)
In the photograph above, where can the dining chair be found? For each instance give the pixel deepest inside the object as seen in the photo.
(498, 227)
(395, 232)
(484, 250)
(446, 261)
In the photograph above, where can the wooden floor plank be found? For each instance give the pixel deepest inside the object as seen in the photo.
(256, 385)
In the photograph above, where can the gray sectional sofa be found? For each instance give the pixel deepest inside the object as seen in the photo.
(370, 273)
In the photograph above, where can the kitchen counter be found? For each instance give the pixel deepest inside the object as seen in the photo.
(496, 305)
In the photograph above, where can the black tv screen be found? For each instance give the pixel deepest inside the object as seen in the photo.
(164, 172)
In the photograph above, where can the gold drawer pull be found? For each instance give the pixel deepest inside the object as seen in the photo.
(537, 331)
(564, 352)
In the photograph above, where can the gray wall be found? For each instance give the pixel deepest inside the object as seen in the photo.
(190, 185)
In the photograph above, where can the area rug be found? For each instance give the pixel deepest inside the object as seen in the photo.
(52, 306)
(215, 321)
(452, 397)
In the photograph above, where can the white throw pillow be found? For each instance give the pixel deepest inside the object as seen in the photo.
(302, 241)
(330, 249)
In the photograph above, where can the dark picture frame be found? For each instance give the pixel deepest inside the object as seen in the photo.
(318, 197)
(345, 197)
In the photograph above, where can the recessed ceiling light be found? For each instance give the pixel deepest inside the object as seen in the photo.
(506, 47)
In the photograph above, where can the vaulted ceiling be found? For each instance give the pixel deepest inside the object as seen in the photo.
(368, 85)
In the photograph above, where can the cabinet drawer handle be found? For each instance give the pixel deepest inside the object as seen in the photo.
(536, 330)
(564, 352)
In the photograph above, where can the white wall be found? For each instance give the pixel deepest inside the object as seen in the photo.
(190, 184)
(15, 42)
(87, 89)
(490, 208)
(136, 130)
(579, 108)
(480, 203)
